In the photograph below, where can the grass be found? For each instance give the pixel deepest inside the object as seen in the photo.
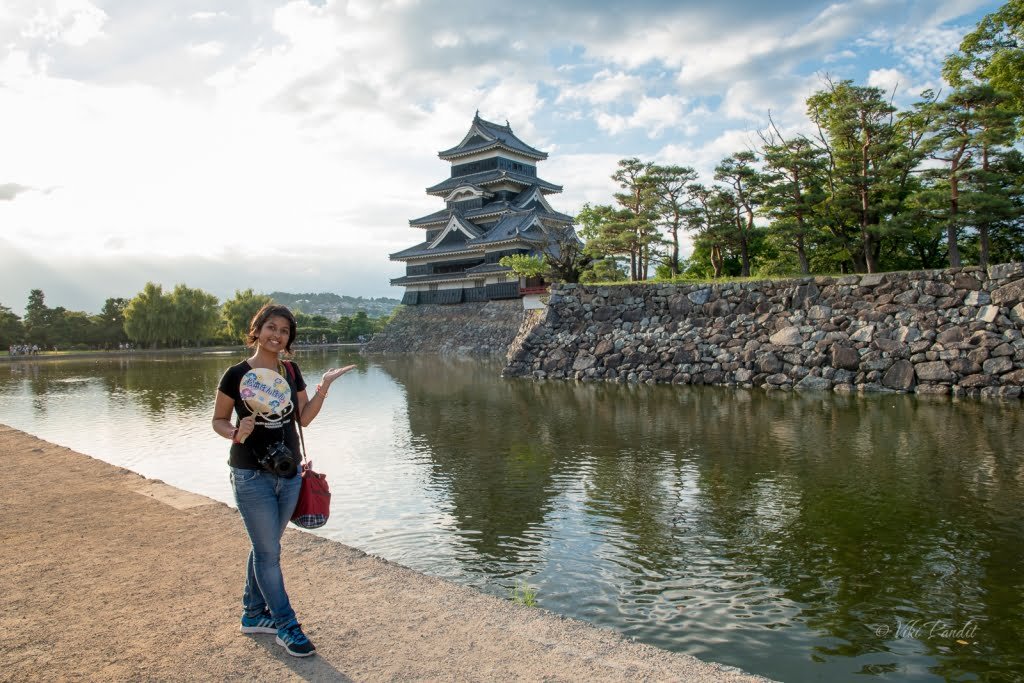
(524, 594)
(712, 281)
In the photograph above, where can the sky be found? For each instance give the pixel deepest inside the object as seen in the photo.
(286, 145)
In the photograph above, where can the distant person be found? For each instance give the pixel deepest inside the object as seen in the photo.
(265, 499)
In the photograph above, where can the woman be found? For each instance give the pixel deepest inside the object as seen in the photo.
(266, 500)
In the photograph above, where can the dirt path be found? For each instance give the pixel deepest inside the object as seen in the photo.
(110, 576)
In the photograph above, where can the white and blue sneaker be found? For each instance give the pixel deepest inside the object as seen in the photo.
(295, 641)
(261, 623)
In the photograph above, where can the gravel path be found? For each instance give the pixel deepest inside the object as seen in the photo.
(111, 576)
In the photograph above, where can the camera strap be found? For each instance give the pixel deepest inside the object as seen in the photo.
(298, 421)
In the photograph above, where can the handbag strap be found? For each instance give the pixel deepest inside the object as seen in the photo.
(298, 418)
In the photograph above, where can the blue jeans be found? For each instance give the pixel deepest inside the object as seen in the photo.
(266, 502)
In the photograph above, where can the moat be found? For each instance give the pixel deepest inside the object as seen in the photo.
(796, 535)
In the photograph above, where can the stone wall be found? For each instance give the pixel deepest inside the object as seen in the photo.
(467, 329)
(932, 332)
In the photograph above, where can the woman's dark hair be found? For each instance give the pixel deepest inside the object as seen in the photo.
(262, 316)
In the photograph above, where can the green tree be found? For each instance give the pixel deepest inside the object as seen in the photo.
(238, 311)
(149, 318)
(637, 228)
(743, 180)
(361, 325)
(993, 54)
(606, 233)
(672, 205)
(525, 265)
(857, 132)
(605, 269)
(713, 222)
(11, 329)
(1004, 188)
(968, 129)
(109, 323)
(792, 186)
(37, 319)
(195, 315)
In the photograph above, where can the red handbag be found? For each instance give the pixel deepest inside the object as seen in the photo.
(314, 506)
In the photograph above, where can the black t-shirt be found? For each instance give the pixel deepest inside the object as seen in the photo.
(246, 455)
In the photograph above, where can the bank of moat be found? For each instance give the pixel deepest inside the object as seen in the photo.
(954, 331)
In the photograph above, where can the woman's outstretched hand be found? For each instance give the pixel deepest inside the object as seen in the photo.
(334, 373)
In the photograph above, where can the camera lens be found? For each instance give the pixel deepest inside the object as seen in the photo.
(284, 467)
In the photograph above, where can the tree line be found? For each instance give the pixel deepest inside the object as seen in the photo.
(153, 318)
(871, 188)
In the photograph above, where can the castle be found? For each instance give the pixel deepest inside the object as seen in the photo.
(495, 206)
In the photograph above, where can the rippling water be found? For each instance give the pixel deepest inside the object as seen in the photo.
(803, 537)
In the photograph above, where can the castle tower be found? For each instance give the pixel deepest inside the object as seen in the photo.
(495, 205)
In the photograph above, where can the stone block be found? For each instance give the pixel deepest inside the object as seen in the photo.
(964, 366)
(966, 282)
(889, 345)
(699, 297)
(679, 305)
(1009, 295)
(934, 371)
(789, 336)
(810, 383)
(632, 315)
(804, 294)
(1001, 350)
(906, 335)
(819, 312)
(1004, 270)
(978, 380)
(872, 279)
(769, 363)
(900, 376)
(604, 347)
(844, 357)
(997, 366)
(988, 314)
(977, 298)
(906, 298)
(717, 309)
(937, 289)
(1015, 377)
(863, 334)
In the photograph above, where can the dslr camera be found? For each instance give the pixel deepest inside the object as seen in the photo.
(278, 458)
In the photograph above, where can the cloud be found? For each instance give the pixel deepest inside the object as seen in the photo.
(74, 22)
(605, 87)
(208, 49)
(652, 114)
(9, 191)
(317, 124)
(889, 80)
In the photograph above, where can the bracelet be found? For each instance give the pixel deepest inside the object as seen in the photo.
(323, 394)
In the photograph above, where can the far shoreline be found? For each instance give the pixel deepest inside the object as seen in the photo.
(180, 351)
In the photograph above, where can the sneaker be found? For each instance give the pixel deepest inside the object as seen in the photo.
(261, 623)
(295, 641)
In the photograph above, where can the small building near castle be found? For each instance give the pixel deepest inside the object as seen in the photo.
(495, 206)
